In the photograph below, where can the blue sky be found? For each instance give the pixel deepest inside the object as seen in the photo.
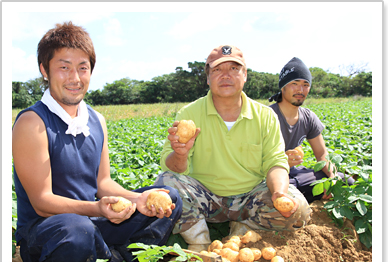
(142, 41)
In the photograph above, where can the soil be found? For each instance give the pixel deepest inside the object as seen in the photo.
(320, 241)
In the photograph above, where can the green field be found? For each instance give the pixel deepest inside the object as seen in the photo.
(137, 133)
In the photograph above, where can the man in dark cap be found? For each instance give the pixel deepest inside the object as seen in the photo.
(298, 123)
(234, 168)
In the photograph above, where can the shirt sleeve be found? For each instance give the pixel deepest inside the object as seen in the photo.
(273, 145)
(316, 126)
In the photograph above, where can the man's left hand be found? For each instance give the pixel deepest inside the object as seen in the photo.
(276, 195)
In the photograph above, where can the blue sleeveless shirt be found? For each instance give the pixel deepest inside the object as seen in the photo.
(74, 162)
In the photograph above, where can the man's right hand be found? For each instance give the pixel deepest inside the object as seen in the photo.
(112, 216)
(294, 158)
(179, 148)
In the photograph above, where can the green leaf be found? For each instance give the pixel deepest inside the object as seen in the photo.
(364, 176)
(353, 198)
(347, 212)
(327, 185)
(366, 239)
(318, 166)
(366, 198)
(330, 205)
(360, 226)
(361, 207)
(337, 213)
(318, 189)
(336, 159)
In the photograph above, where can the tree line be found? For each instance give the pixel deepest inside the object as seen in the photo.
(187, 86)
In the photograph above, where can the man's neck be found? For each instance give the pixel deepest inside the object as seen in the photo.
(289, 111)
(228, 108)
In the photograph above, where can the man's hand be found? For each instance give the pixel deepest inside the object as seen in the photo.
(142, 205)
(294, 158)
(112, 216)
(179, 148)
(276, 195)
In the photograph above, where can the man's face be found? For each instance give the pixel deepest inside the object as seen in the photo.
(69, 76)
(296, 92)
(227, 79)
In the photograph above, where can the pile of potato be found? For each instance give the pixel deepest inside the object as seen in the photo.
(234, 249)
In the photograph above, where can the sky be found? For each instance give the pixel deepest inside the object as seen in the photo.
(143, 41)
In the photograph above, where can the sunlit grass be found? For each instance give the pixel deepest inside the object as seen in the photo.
(118, 112)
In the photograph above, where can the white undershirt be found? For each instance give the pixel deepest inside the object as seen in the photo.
(229, 124)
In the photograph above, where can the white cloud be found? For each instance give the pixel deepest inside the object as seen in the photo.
(24, 67)
(184, 49)
(199, 22)
(247, 26)
(113, 33)
(35, 24)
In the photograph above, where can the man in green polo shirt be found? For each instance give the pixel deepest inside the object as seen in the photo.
(234, 167)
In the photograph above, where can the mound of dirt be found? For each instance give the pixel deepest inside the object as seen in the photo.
(319, 241)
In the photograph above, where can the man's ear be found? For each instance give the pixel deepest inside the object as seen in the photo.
(245, 75)
(43, 72)
(207, 80)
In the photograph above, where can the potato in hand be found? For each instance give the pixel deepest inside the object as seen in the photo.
(120, 205)
(283, 204)
(159, 199)
(300, 151)
(186, 130)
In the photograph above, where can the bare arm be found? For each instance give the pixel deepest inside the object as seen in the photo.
(177, 160)
(278, 182)
(318, 146)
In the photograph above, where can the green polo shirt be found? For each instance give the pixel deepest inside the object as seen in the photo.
(235, 161)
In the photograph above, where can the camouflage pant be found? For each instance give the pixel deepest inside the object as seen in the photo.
(254, 208)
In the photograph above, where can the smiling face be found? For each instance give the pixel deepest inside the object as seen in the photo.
(227, 79)
(69, 76)
(295, 92)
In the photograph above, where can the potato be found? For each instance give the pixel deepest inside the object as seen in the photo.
(120, 205)
(232, 246)
(277, 259)
(203, 252)
(300, 151)
(186, 130)
(217, 251)
(216, 244)
(246, 255)
(283, 204)
(235, 239)
(268, 253)
(159, 199)
(256, 253)
(251, 236)
(229, 254)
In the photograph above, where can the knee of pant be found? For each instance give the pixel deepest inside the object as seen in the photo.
(78, 230)
(176, 199)
(75, 240)
(173, 193)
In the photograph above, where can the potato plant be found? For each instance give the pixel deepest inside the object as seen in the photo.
(351, 202)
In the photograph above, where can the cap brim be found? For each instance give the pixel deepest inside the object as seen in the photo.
(225, 59)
